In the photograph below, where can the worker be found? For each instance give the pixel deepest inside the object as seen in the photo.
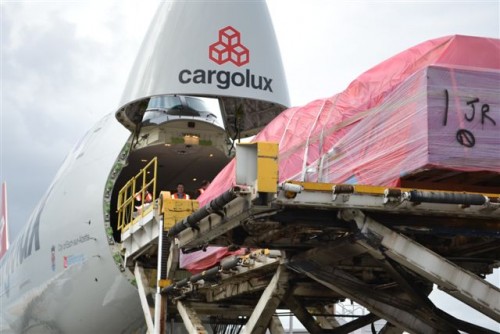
(204, 186)
(147, 196)
(140, 204)
(180, 194)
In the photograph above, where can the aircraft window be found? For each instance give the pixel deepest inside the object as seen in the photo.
(207, 108)
(165, 102)
(166, 108)
(196, 104)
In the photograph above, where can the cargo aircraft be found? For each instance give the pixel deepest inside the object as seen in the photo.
(190, 95)
(209, 74)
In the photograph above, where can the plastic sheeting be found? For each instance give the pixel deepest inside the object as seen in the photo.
(436, 104)
(440, 117)
(204, 259)
(392, 96)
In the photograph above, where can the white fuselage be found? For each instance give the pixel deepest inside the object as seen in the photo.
(60, 276)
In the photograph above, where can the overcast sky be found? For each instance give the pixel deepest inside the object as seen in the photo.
(64, 65)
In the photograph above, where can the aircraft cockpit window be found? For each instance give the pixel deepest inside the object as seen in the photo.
(166, 108)
(165, 102)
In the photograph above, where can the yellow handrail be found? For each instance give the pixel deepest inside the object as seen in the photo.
(142, 183)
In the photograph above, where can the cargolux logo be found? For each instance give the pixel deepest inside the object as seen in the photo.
(229, 48)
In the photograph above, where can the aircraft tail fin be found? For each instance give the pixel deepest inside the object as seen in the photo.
(4, 228)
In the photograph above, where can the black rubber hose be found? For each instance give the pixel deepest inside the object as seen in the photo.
(216, 204)
(446, 198)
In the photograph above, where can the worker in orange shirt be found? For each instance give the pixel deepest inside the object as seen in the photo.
(140, 203)
(180, 194)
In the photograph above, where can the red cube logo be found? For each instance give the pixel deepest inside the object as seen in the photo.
(219, 53)
(229, 48)
(239, 55)
(229, 36)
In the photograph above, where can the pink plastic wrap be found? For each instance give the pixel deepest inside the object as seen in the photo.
(433, 105)
(440, 117)
(393, 92)
(201, 260)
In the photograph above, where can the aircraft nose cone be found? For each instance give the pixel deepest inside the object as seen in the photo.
(221, 49)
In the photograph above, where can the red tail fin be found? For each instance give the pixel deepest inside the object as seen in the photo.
(4, 228)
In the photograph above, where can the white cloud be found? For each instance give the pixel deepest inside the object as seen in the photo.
(327, 44)
(64, 65)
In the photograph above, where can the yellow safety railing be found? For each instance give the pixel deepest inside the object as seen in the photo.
(143, 183)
